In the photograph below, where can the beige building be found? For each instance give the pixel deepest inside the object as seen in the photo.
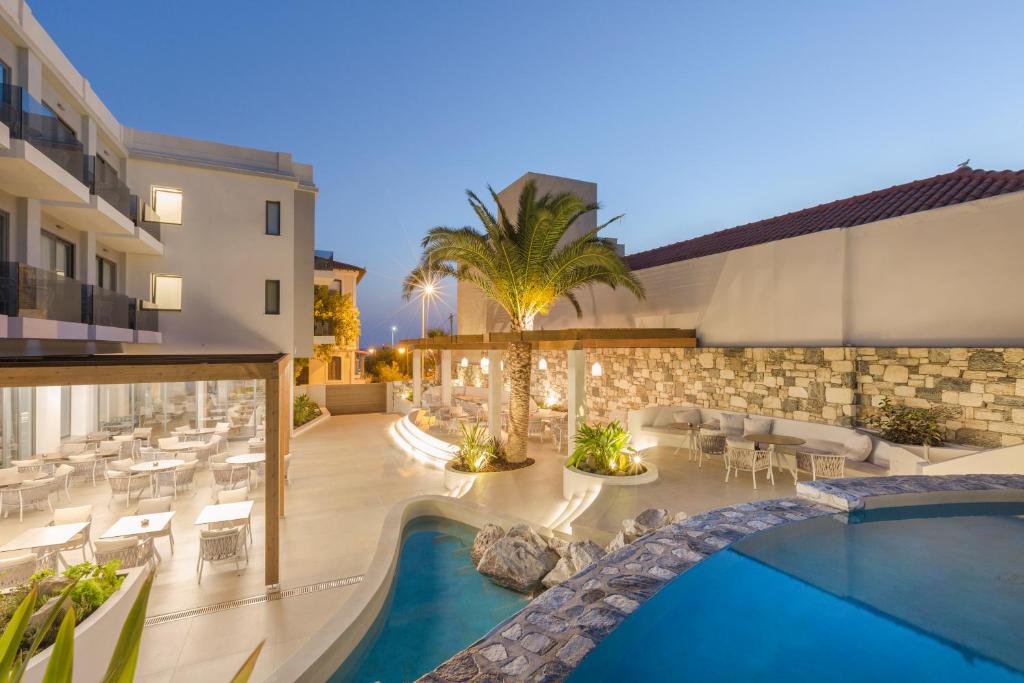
(115, 240)
(930, 262)
(343, 367)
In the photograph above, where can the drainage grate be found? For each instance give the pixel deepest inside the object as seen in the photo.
(169, 617)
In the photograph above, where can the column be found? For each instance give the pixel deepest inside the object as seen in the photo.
(576, 398)
(87, 271)
(47, 416)
(200, 404)
(26, 232)
(417, 378)
(495, 387)
(83, 409)
(446, 377)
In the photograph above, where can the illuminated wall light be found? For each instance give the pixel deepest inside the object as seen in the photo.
(596, 370)
(542, 364)
(485, 363)
(465, 362)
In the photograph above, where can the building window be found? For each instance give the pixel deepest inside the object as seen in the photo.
(106, 273)
(334, 369)
(5, 236)
(167, 204)
(272, 295)
(273, 218)
(5, 75)
(58, 255)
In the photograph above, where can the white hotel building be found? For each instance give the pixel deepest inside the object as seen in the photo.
(101, 225)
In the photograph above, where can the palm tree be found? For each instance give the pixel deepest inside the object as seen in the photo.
(524, 265)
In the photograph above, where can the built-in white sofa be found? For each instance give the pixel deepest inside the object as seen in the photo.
(649, 427)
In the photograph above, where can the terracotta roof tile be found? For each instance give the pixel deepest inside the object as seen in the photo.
(962, 185)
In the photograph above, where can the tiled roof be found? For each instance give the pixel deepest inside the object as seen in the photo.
(321, 263)
(962, 185)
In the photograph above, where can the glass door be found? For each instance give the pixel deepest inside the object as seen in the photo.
(17, 435)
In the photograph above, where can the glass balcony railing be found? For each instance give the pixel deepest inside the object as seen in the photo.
(137, 212)
(36, 293)
(104, 182)
(323, 328)
(143, 319)
(104, 307)
(35, 123)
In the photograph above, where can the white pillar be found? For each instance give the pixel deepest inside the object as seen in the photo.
(47, 416)
(495, 385)
(446, 377)
(417, 377)
(200, 404)
(83, 409)
(576, 399)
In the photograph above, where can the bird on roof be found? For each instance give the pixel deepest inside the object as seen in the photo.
(964, 164)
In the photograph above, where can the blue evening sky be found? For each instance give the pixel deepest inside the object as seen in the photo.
(690, 116)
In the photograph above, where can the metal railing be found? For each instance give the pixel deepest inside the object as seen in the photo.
(33, 122)
(104, 182)
(36, 293)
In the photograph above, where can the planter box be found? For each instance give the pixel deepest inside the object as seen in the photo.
(95, 637)
(576, 482)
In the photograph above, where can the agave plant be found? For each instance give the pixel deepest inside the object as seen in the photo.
(477, 448)
(604, 449)
(60, 668)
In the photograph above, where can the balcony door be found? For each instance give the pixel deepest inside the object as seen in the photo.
(58, 255)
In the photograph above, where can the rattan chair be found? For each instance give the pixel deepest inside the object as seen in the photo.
(219, 545)
(126, 483)
(748, 460)
(62, 475)
(34, 493)
(227, 476)
(131, 550)
(85, 466)
(16, 571)
(151, 506)
(80, 541)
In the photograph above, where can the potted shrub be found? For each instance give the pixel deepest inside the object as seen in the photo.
(905, 425)
(605, 450)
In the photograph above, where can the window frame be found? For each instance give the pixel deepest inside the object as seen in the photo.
(272, 306)
(154, 190)
(100, 262)
(266, 218)
(70, 252)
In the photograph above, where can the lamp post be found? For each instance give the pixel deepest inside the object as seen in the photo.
(394, 328)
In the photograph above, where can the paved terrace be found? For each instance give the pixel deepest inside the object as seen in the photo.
(345, 476)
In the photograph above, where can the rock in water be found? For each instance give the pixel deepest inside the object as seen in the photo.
(485, 538)
(518, 560)
(560, 573)
(647, 521)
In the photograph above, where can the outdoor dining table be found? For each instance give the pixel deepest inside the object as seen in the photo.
(249, 460)
(773, 440)
(225, 512)
(183, 446)
(46, 538)
(153, 468)
(692, 430)
(140, 525)
(197, 431)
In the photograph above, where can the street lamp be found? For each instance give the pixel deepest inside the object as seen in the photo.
(394, 328)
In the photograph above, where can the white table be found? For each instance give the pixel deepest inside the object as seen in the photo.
(246, 459)
(225, 512)
(132, 525)
(183, 446)
(153, 468)
(44, 537)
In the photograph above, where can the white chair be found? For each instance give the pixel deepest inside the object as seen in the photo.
(233, 496)
(18, 569)
(130, 550)
(34, 493)
(28, 466)
(180, 478)
(219, 545)
(69, 448)
(167, 442)
(152, 506)
(85, 467)
(827, 465)
(80, 541)
(226, 476)
(749, 460)
(10, 475)
(62, 475)
(535, 427)
(143, 434)
(222, 430)
(126, 483)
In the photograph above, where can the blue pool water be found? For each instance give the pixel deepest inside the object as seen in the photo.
(439, 604)
(909, 594)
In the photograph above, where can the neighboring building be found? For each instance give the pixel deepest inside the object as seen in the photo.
(930, 262)
(343, 278)
(91, 212)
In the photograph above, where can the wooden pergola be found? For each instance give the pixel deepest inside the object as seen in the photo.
(139, 369)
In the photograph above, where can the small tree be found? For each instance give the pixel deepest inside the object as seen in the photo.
(335, 308)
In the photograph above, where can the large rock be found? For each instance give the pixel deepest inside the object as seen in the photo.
(647, 521)
(518, 560)
(577, 557)
(619, 541)
(485, 538)
(558, 545)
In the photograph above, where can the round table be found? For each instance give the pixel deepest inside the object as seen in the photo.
(153, 468)
(249, 460)
(183, 446)
(774, 440)
(692, 430)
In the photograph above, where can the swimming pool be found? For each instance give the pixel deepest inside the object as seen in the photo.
(438, 605)
(930, 593)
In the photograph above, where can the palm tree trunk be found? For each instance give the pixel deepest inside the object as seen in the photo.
(519, 402)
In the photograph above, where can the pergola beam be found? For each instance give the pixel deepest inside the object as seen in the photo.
(562, 340)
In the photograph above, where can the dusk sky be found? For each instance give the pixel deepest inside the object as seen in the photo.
(691, 117)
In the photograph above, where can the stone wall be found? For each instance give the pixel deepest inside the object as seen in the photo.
(981, 388)
(546, 386)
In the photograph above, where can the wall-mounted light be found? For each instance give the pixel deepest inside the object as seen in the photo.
(542, 364)
(596, 370)
(485, 364)
(465, 362)
(164, 292)
(502, 365)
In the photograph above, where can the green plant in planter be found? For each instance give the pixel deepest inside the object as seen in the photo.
(604, 449)
(305, 409)
(914, 426)
(477, 449)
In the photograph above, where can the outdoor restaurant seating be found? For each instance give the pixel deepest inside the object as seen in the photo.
(84, 467)
(219, 545)
(126, 483)
(62, 476)
(17, 570)
(34, 493)
(751, 460)
(150, 506)
(29, 466)
(80, 541)
(130, 550)
(226, 476)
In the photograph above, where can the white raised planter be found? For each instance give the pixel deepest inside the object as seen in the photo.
(456, 482)
(577, 483)
(95, 637)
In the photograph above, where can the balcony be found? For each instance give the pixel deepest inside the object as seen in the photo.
(45, 160)
(41, 304)
(323, 331)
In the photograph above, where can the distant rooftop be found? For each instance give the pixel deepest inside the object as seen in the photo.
(324, 260)
(962, 185)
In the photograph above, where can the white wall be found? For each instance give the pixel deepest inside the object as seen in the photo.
(47, 419)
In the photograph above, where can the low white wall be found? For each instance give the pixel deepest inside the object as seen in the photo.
(1008, 460)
